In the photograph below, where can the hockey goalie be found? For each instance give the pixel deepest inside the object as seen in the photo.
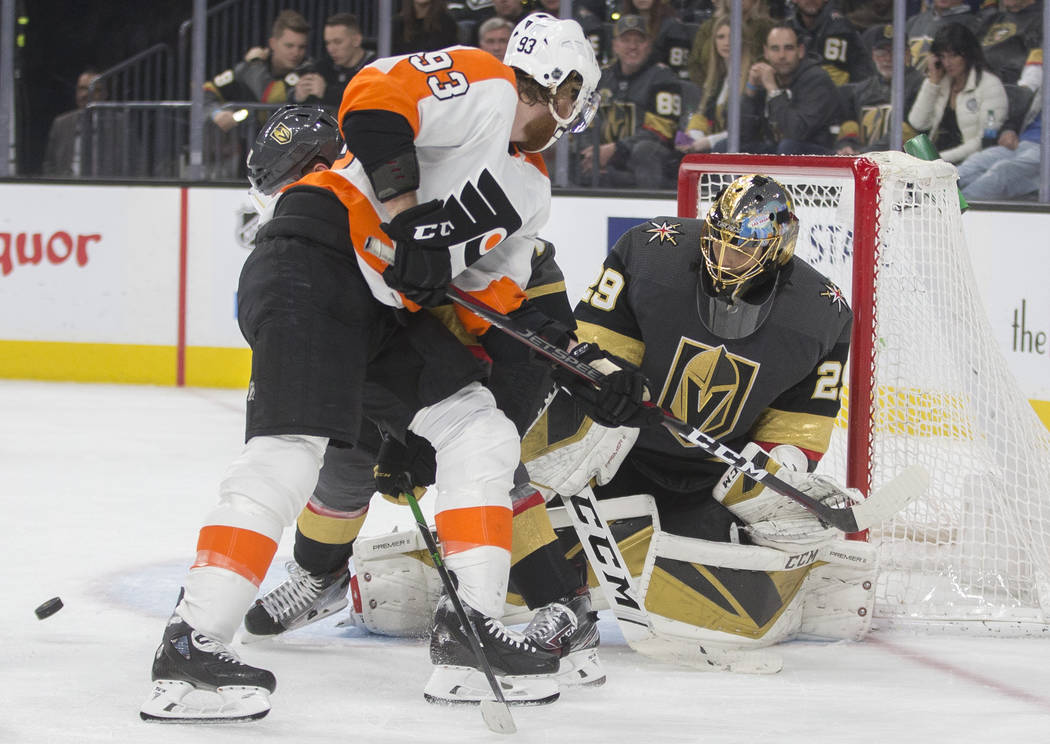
(747, 343)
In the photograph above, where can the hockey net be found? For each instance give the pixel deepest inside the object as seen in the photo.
(974, 552)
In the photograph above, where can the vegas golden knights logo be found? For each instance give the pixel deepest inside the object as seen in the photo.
(619, 119)
(707, 387)
(874, 122)
(281, 134)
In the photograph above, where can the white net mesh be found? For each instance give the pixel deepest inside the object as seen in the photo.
(975, 551)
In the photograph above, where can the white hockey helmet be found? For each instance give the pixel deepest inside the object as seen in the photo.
(549, 50)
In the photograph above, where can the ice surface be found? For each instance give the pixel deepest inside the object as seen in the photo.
(103, 489)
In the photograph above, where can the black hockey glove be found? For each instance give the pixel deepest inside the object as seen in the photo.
(400, 468)
(421, 269)
(503, 347)
(621, 397)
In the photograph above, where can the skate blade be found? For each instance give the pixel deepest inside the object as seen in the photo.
(450, 685)
(168, 704)
(581, 669)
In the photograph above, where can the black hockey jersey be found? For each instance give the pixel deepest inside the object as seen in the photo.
(835, 43)
(921, 29)
(868, 112)
(650, 99)
(778, 386)
(1008, 38)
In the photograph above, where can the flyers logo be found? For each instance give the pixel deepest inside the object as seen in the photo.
(707, 387)
(482, 216)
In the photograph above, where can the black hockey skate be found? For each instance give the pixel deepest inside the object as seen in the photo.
(189, 662)
(524, 670)
(568, 629)
(299, 600)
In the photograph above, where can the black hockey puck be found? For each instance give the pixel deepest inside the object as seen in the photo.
(49, 608)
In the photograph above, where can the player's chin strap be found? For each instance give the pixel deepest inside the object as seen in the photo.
(848, 517)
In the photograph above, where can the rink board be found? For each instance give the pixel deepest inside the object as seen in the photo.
(137, 284)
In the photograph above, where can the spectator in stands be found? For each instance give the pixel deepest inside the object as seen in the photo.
(706, 130)
(869, 14)
(512, 10)
(100, 142)
(866, 105)
(346, 56)
(753, 36)
(671, 38)
(550, 7)
(423, 26)
(265, 75)
(830, 38)
(921, 28)
(1009, 36)
(790, 103)
(493, 36)
(957, 95)
(641, 107)
(1010, 169)
(589, 20)
(62, 157)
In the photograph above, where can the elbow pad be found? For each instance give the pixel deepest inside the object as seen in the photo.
(384, 142)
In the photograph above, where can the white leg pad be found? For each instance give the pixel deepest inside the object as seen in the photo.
(215, 601)
(840, 594)
(833, 602)
(263, 490)
(397, 593)
(477, 453)
(269, 483)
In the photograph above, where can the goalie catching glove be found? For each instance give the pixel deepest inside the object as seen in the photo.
(422, 268)
(620, 399)
(774, 520)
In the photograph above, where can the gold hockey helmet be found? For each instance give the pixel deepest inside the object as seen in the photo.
(747, 236)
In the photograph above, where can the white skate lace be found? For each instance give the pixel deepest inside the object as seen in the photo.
(505, 635)
(548, 621)
(211, 646)
(297, 593)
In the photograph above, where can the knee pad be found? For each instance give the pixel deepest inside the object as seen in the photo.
(267, 486)
(477, 448)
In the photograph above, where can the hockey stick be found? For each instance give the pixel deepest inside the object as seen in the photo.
(620, 592)
(886, 502)
(495, 712)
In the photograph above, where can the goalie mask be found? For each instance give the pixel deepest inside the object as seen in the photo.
(746, 239)
(556, 54)
(292, 138)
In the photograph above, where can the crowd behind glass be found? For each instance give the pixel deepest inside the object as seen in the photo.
(815, 78)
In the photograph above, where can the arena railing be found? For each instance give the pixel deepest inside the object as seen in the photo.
(234, 26)
(146, 76)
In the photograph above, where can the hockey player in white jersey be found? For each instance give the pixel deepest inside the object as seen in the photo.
(430, 196)
(297, 140)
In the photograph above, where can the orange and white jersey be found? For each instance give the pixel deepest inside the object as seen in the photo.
(460, 103)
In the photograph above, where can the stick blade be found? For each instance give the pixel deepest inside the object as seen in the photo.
(709, 658)
(907, 486)
(497, 717)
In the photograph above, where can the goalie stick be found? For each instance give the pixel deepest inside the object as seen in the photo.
(881, 505)
(496, 713)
